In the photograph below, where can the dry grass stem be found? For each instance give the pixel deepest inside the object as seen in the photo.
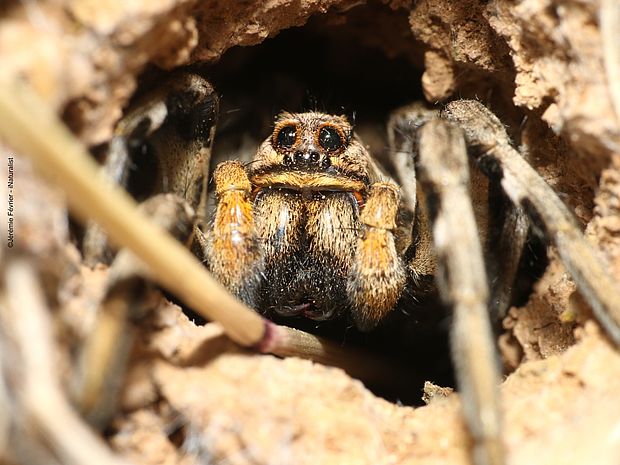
(31, 128)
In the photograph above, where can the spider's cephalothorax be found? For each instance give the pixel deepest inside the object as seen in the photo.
(307, 228)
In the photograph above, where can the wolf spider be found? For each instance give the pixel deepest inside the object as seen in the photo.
(314, 227)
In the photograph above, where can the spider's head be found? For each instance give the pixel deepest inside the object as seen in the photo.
(314, 151)
(309, 141)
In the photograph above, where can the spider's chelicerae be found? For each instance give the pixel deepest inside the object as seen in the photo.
(313, 226)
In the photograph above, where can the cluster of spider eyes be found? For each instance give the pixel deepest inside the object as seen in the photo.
(329, 138)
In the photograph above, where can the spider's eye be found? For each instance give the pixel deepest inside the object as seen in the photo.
(286, 136)
(330, 139)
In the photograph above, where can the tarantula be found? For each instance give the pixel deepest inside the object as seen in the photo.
(313, 226)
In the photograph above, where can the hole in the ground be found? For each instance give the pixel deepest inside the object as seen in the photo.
(302, 70)
(328, 68)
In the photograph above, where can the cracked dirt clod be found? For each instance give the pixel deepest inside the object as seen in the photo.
(560, 71)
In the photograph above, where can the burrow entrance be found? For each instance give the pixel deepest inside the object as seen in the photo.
(364, 67)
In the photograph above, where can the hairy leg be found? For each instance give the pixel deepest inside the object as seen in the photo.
(402, 130)
(233, 253)
(511, 245)
(403, 142)
(171, 129)
(462, 282)
(377, 277)
(529, 191)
